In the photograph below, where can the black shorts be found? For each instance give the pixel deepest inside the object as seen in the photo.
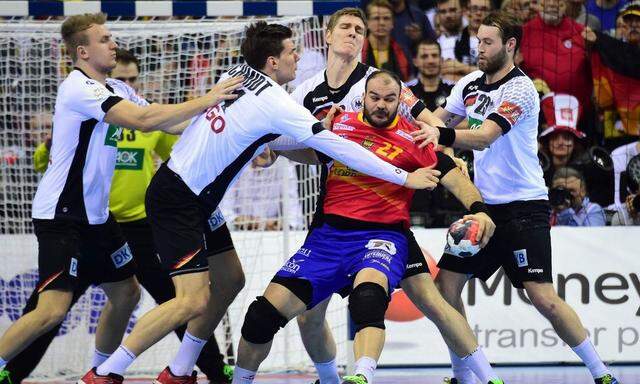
(416, 262)
(69, 251)
(521, 245)
(184, 231)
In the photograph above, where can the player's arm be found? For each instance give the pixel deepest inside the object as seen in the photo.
(463, 189)
(164, 116)
(303, 156)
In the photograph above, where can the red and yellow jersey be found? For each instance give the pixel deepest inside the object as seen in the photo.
(361, 197)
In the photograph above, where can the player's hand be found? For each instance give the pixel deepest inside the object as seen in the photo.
(265, 159)
(423, 178)
(224, 90)
(486, 227)
(327, 123)
(462, 166)
(427, 134)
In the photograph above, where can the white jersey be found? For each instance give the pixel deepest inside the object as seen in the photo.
(219, 143)
(509, 170)
(83, 150)
(316, 96)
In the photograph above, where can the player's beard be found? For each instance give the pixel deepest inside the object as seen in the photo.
(383, 124)
(495, 63)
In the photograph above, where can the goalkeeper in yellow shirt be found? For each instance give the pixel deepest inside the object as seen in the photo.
(135, 166)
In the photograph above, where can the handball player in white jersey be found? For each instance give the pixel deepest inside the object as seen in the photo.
(502, 107)
(77, 236)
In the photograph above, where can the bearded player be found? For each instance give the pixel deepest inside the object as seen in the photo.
(361, 246)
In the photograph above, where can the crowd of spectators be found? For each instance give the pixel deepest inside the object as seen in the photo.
(583, 56)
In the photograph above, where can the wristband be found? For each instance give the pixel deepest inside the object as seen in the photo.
(447, 136)
(477, 207)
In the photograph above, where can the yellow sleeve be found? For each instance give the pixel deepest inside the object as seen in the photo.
(41, 158)
(164, 145)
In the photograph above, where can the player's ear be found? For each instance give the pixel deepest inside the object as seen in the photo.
(511, 44)
(81, 52)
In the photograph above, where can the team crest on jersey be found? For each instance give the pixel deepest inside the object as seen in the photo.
(344, 118)
(469, 101)
(356, 103)
(114, 133)
(368, 142)
(510, 111)
(383, 245)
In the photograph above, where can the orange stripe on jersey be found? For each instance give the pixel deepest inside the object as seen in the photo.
(48, 281)
(184, 260)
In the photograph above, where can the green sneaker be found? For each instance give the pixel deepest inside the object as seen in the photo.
(451, 380)
(495, 381)
(357, 379)
(227, 371)
(606, 379)
(5, 377)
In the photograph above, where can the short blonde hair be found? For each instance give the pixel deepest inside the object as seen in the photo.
(349, 11)
(73, 29)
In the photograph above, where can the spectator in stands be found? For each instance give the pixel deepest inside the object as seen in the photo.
(564, 145)
(606, 11)
(570, 203)
(616, 64)
(628, 213)
(523, 10)
(622, 29)
(449, 14)
(429, 85)
(624, 183)
(578, 12)
(554, 51)
(410, 25)
(380, 50)
(466, 48)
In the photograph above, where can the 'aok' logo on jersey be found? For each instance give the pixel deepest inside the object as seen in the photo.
(114, 133)
(130, 158)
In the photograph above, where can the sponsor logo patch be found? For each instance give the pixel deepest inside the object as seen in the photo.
(130, 158)
(521, 257)
(404, 135)
(384, 245)
(535, 270)
(114, 133)
(342, 127)
(292, 266)
(122, 256)
(216, 220)
(73, 268)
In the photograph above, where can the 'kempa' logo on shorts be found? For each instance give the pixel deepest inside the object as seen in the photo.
(73, 268)
(130, 158)
(122, 256)
(521, 257)
(383, 245)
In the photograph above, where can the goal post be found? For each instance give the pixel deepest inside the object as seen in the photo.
(179, 59)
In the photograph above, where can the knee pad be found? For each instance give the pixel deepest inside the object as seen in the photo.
(262, 322)
(367, 305)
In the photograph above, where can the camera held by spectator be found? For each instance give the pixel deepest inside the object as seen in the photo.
(570, 203)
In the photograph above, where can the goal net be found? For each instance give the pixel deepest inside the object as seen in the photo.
(268, 211)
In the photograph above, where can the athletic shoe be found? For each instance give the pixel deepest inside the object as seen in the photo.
(317, 381)
(357, 379)
(607, 379)
(224, 377)
(166, 377)
(452, 380)
(495, 381)
(5, 377)
(92, 377)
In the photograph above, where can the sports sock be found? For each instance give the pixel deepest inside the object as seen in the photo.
(117, 363)
(478, 363)
(187, 355)
(461, 371)
(3, 362)
(366, 367)
(99, 358)
(328, 372)
(243, 376)
(587, 353)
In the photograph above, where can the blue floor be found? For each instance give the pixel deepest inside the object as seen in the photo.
(510, 375)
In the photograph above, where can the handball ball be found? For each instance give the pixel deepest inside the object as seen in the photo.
(461, 238)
